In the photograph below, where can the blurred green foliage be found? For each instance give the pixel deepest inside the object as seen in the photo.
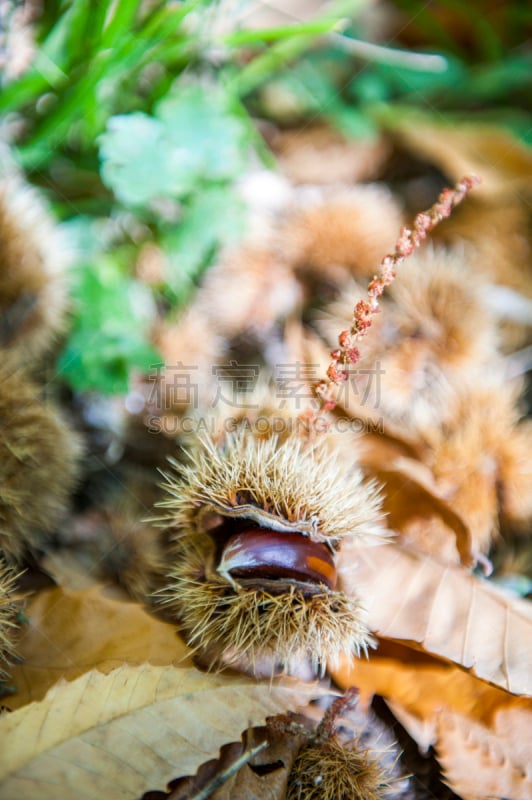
(132, 112)
(191, 139)
(347, 84)
(141, 114)
(110, 329)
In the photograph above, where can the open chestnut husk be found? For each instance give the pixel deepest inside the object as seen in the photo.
(255, 526)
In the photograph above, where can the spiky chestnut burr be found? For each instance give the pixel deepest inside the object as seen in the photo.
(9, 609)
(329, 770)
(39, 456)
(33, 259)
(329, 767)
(256, 525)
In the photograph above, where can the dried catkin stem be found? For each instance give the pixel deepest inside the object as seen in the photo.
(409, 239)
(328, 766)
(329, 724)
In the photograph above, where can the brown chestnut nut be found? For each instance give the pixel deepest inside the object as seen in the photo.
(260, 553)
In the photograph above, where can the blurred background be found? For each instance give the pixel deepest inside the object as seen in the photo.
(139, 120)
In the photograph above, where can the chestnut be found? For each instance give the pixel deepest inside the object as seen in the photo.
(262, 553)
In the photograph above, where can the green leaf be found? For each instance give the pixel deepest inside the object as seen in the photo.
(369, 88)
(260, 35)
(353, 123)
(138, 163)
(203, 132)
(78, 18)
(103, 362)
(110, 330)
(404, 80)
(288, 48)
(121, 18)
(192, 137)
(213, 218)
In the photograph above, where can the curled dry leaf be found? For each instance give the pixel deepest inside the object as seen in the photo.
(481, 762)
(469, 722)
(297, 757)
(444, 610)
(419, 687)
(418, 511)
(256, 768)
(504, 162)
(72, 632)
(133, 728)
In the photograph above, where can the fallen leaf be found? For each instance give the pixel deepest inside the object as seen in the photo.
(342, 743)
(480, 732)
(419, 687)
(415, 509)
(70, 633)
(115, 735)
(261, 776)
(444, 610)
(502, 161)
(483, 763)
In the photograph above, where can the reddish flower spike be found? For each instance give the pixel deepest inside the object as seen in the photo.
(409, 239)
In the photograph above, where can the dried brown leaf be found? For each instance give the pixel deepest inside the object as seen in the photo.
(502, 161)
(418, 511)
(70, 633)
(477, 729)
(444, 610)
(421, 685)
(483, 763)
(115, 735)
(340, 755)
(262, 776)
